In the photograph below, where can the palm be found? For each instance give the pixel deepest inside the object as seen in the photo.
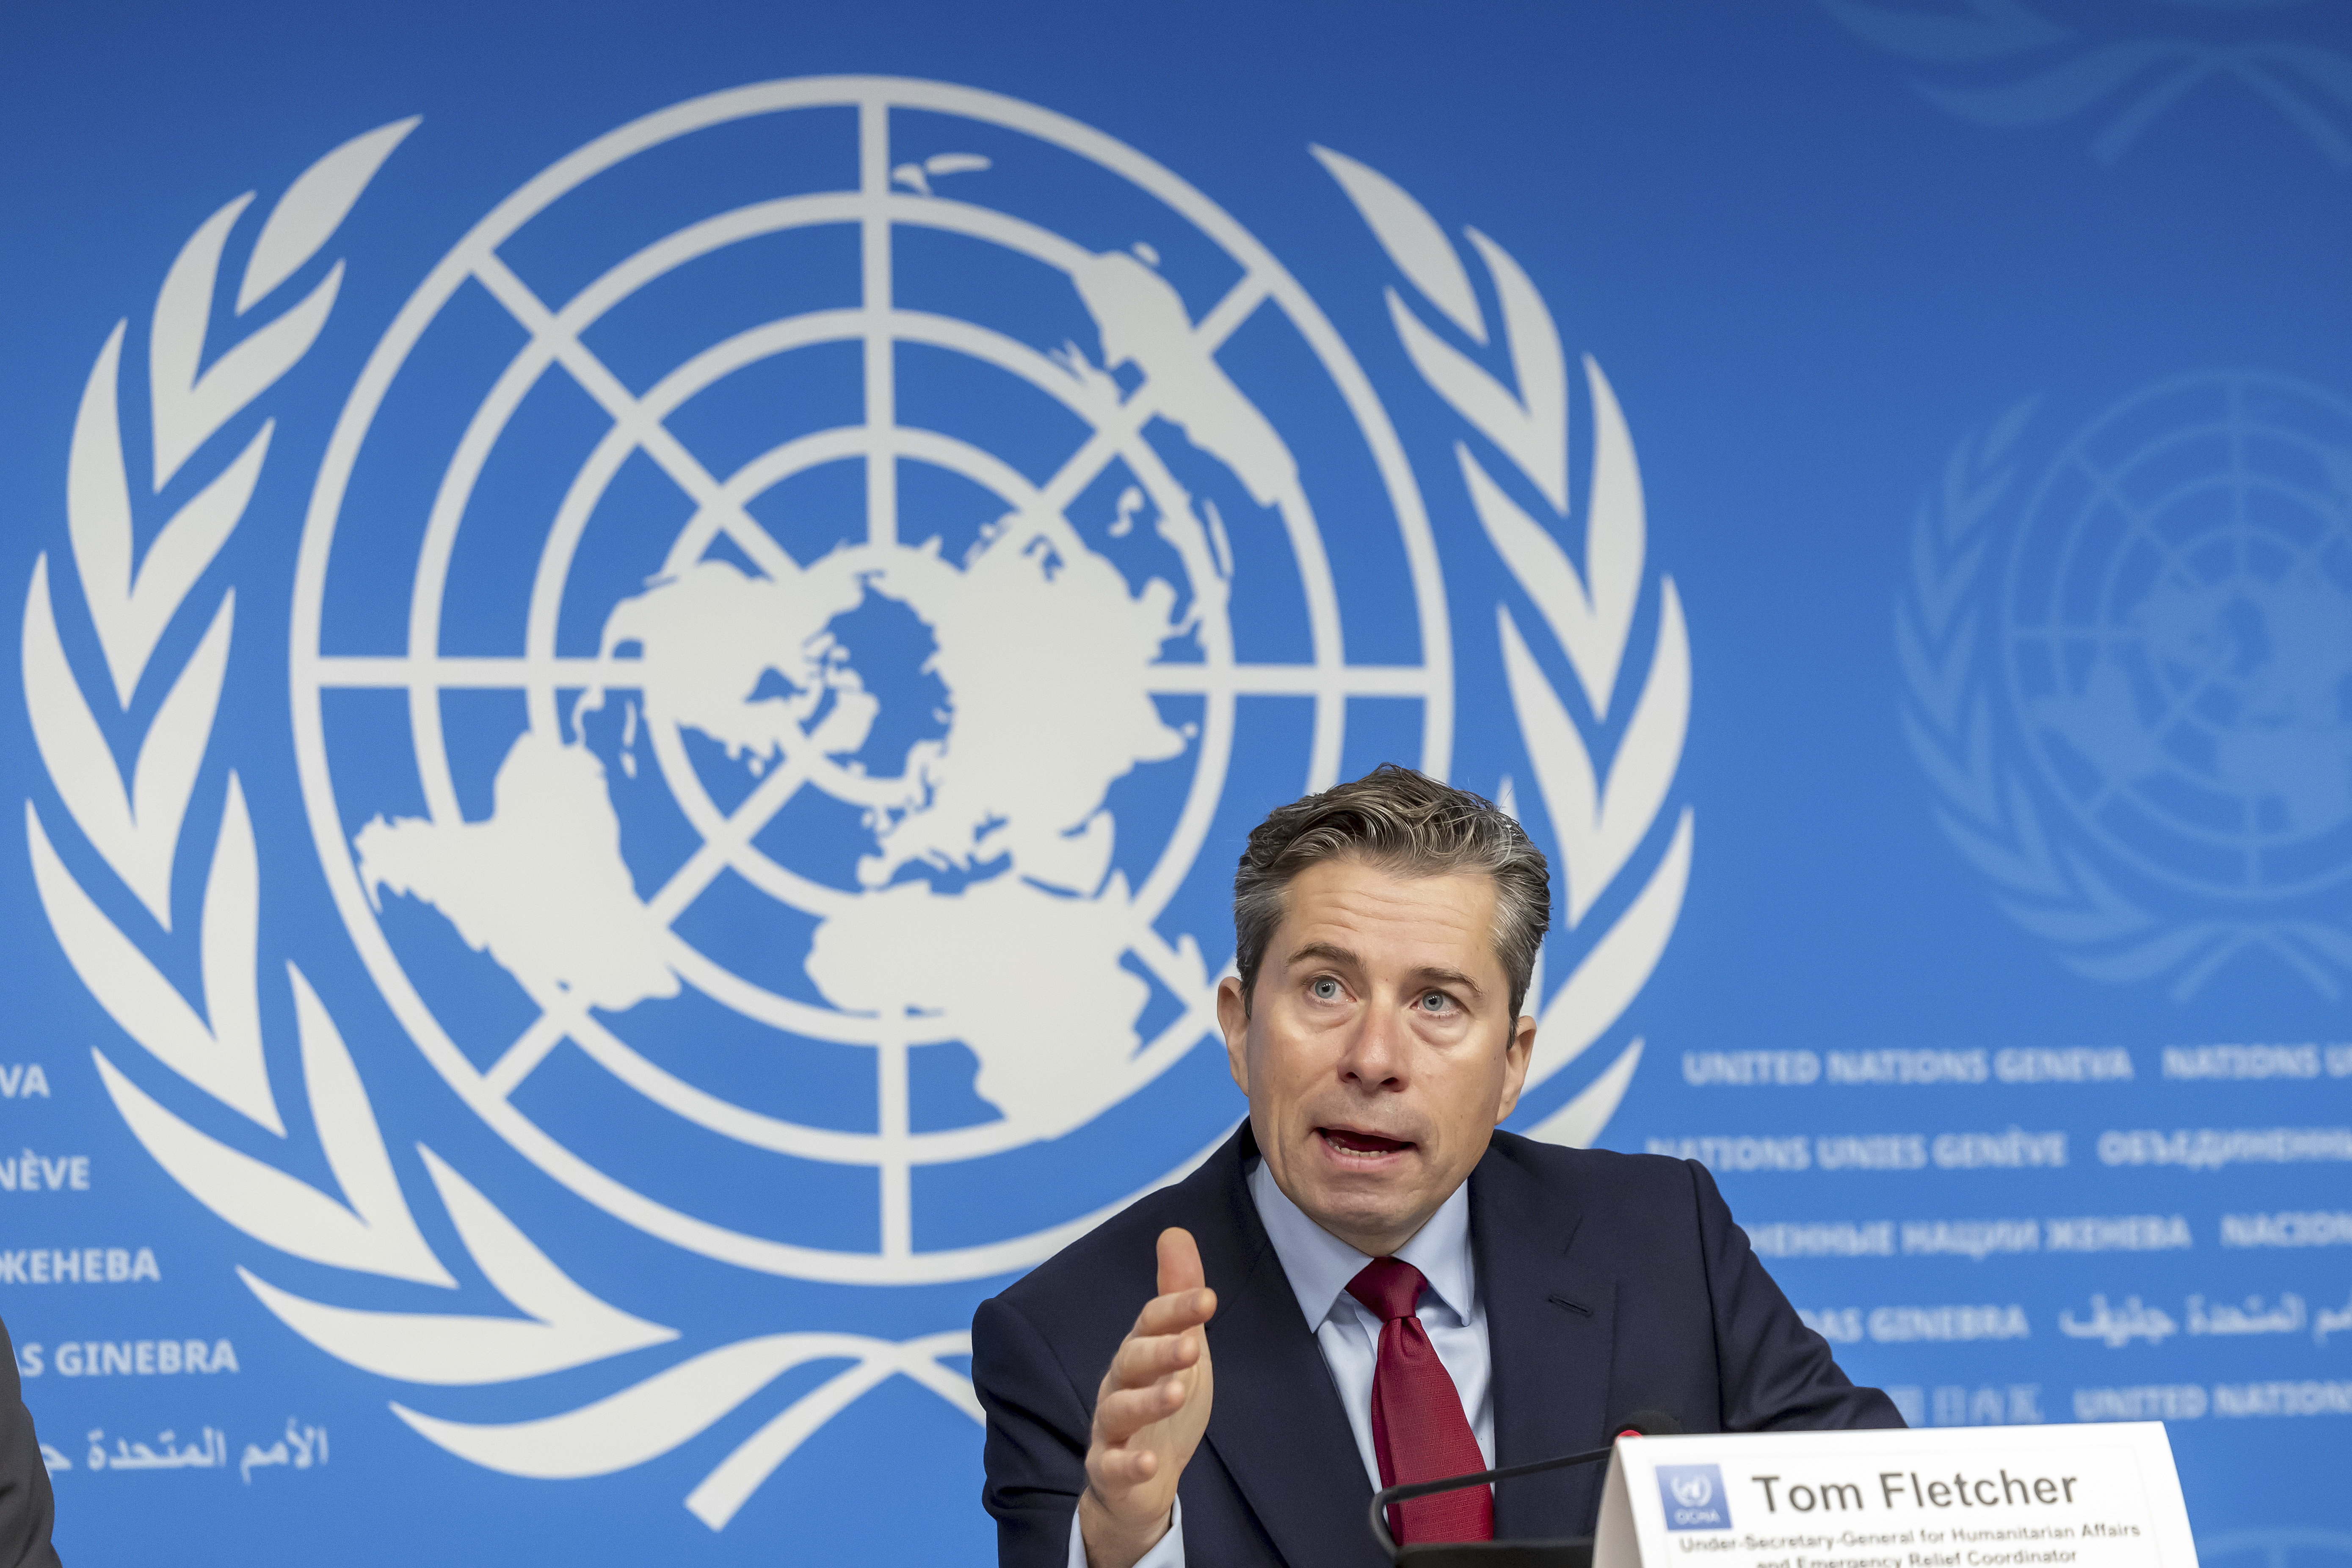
(1151, 1412)
(1172, 1438)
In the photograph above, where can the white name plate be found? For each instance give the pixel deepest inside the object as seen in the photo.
(2089, 1495)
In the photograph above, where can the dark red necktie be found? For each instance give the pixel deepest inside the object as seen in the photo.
(1419, 1430)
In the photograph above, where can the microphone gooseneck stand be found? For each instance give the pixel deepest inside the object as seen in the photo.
(1575, 1552)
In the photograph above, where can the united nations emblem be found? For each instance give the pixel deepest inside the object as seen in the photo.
(2169, 634)
(909, 712)
(782, 609)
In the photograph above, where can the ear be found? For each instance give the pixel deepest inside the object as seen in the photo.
(1232, 1018)
(1517, 1055)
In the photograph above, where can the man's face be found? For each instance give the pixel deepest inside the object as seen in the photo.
(1379, 1051)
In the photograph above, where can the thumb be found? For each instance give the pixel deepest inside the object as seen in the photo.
(1180, 1261)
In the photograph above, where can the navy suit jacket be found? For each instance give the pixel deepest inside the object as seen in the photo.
(25, 1505)
(1612, 1283)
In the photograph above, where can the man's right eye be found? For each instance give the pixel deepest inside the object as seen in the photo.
(1324, 990)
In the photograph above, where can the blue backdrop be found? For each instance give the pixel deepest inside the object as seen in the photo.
(648, 632)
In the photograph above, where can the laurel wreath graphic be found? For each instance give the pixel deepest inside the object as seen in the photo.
(2309, 85)
(1986, 810)
(1600, 820)
(218, 1049)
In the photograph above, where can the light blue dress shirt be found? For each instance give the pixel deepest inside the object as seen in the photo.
(1318, 1266)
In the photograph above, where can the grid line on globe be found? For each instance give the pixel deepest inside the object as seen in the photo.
(2179, 634)
(729, 664)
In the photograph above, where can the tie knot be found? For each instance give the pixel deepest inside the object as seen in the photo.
(1389, 1286)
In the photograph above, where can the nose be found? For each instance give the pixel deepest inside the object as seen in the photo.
(1375, 1060)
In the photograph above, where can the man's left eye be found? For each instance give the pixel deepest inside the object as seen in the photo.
(1436, 1001)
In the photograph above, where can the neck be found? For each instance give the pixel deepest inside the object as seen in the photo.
(1380, 1243)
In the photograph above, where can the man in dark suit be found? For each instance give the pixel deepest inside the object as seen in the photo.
(25, 1506)
(1401, 1292)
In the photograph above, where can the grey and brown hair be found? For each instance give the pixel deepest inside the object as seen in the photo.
(1409, 824)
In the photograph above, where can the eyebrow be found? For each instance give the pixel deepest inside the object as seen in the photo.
(1330, 952)
(1451, 977)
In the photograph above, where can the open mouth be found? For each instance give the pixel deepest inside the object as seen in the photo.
(1348, 1141)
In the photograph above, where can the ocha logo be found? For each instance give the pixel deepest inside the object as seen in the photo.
(784, 605)
(2129, 672)
(1691, 1495)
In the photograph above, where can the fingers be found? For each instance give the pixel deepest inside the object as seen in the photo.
(1175, 1313)
(1142, 1360)
(1180, 1262)
(1125, 1466)
(1123, 1413)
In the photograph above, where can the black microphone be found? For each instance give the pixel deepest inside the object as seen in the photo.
(1575, 1554)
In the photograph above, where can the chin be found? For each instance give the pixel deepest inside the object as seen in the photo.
(1354, 1205)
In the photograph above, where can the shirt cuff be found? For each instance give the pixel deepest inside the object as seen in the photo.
(1168, 1554)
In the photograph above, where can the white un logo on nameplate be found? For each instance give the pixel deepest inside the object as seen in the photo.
(1693, 1497)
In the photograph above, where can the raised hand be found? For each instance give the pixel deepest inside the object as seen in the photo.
(1149, 1413)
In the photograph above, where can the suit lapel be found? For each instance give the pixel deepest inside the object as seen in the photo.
(1278, 1424)
(1550, 1329)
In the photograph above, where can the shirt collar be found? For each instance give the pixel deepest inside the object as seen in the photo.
(1319, 1264)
